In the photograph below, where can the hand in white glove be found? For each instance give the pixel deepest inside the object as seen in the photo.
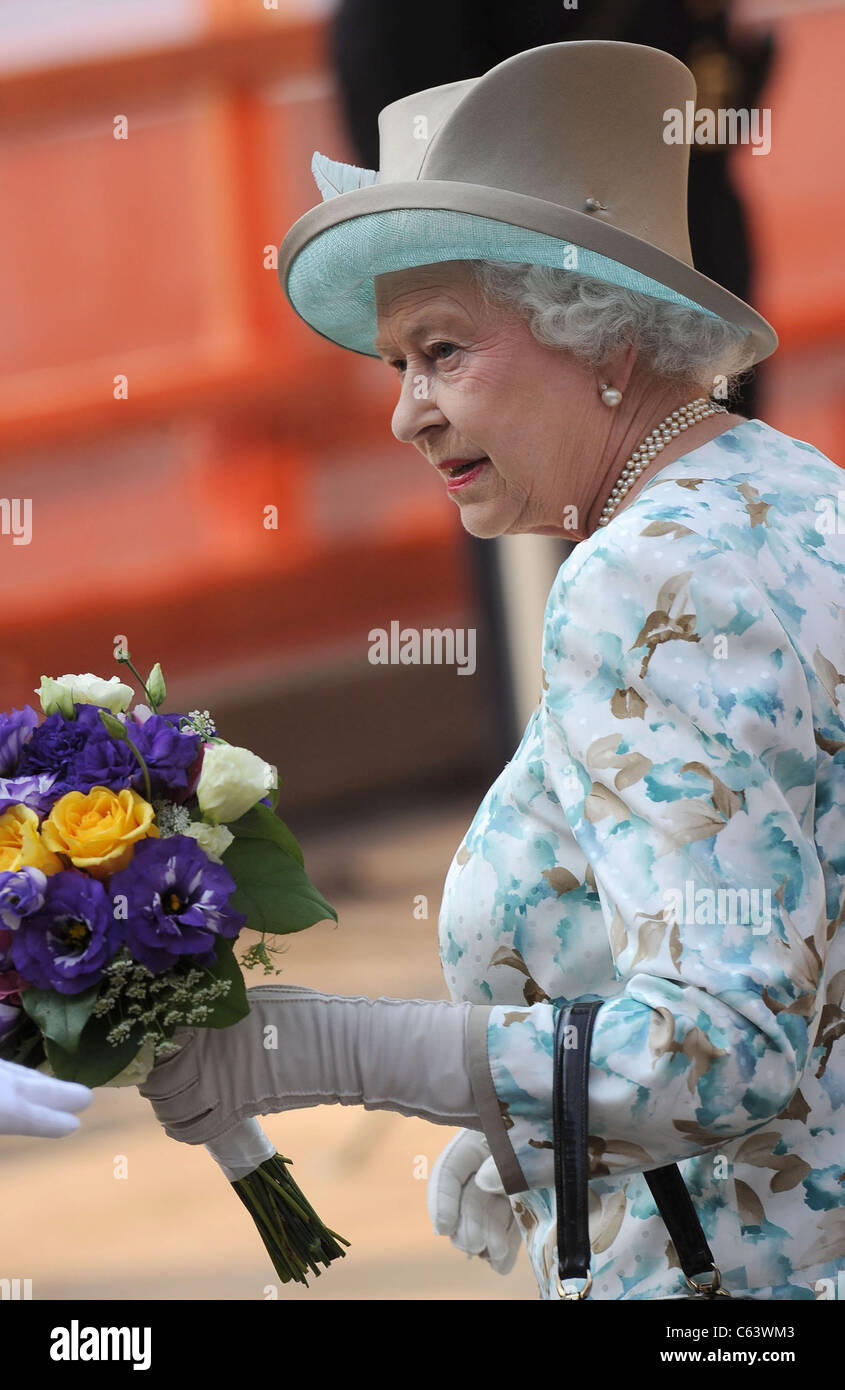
(467, 1202)
(32, 1103)
(297, 1048)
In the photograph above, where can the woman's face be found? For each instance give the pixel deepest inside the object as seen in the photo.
(475, 383)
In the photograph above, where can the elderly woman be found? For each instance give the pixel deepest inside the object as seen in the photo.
(668, 836)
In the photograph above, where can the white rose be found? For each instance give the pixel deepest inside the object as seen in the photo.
(214, 839)
(66, 691)
(232, 780)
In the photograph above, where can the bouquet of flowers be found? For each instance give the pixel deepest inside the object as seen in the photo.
(135, 846)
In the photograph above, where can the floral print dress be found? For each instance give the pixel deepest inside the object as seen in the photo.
(669, 837)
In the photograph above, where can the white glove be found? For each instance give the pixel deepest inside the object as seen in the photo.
(32, 1103)
(297, 1048)
(467, 1202)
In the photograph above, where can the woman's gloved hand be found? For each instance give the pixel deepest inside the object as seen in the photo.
(467, 1202)
(297, 1048)
(32, 1103)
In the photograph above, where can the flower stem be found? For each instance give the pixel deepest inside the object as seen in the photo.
(294, 1237)
(147, 787)
(125, 661)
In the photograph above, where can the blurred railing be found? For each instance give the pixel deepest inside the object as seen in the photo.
(158, 395)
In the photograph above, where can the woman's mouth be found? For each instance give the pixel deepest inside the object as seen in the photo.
(462, 474)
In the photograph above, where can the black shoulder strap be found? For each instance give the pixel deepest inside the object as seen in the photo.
(681, 1219)
(573, 1033)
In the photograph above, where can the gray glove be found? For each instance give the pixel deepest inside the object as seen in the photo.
(297, 1048)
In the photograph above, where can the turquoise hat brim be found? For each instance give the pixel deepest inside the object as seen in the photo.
(330, 280)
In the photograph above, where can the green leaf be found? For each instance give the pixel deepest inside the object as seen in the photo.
(262, 824)
(273, 890)
(95, 1061)
(61, 1017)
(234, 1005)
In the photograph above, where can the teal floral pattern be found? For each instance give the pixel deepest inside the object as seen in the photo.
(669, 837)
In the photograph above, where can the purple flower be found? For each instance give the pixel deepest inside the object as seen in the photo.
(175, 719)
(21, 892)
(80, 754)
(15, 729)
(168, 754)
(57, 745)
(177, 902)
(103, 761)
(35, 791)
(66, 944)
(146, 713)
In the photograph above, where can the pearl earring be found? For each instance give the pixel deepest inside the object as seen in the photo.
(611, 396)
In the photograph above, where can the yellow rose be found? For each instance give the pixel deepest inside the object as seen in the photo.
(98, 829)
(21, 844)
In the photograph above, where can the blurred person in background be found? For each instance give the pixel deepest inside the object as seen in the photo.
(381, 51)
(521, 261)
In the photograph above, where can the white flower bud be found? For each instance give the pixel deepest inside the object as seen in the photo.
(156, 686)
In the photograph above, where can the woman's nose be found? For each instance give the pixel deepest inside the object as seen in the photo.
(416, 408)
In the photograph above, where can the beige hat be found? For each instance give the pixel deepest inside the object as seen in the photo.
(556, 157)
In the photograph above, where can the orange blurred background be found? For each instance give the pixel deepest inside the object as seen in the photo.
(156, 395)
(157, 392)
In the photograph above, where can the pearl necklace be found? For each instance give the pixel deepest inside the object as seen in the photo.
(651, 446)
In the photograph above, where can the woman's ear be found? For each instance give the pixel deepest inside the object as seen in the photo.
(616, 371)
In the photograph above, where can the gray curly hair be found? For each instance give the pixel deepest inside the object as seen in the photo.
(594, 320)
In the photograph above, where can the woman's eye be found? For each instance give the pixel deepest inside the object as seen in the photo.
(440, 352)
